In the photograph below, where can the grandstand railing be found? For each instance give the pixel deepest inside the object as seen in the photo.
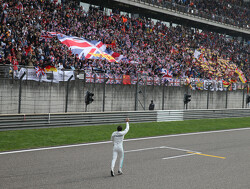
(29, 121)
(194, 12)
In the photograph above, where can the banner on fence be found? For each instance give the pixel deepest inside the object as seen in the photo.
(194, 83)
(50, 76)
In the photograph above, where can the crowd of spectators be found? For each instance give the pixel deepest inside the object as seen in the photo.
(234, 12)
(147, 47)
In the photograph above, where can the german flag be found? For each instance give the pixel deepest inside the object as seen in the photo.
(225, 83)
(50, 69)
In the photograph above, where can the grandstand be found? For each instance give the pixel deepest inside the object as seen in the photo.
(152, 42)
(78, 64)
(140, 44)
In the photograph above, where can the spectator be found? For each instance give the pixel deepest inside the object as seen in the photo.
(148, 48)
(151, 105)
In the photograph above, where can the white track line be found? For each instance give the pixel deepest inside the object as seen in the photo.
(160, 147)
(51, 148)
(187, 134)
(184, 150)
(106, 142)
(144, 149)
(166, 147)
(178, 156)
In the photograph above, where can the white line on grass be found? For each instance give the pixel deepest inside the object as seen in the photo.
(106, 142)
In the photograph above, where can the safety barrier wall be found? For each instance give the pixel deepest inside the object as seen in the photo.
(21, 121)
(31, 97)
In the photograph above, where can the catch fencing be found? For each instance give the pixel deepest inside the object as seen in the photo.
(68, 94)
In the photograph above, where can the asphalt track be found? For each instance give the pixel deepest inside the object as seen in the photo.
(217, 160)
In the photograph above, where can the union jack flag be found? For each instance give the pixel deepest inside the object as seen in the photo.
(99, 78)
(118, 79)
(46, 36)
(39, 71)
(150, 80)
(133, 79)
(170, 82)
(167, 76)
(89, 77)
(177, 82)
(110, 78)
(84, 49)
(118, 57)
(54, 34)
(143, 80)
(157, 80)
(99, 45)
(166, 72)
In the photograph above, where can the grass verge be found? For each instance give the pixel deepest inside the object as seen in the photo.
(34, 138)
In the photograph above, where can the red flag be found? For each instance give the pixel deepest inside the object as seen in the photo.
(27, 50)
(124, 19)
(126, 80)
(15, 63)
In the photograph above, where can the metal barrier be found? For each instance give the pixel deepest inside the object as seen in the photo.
(18, 121)
(28, 121)
(213, 114)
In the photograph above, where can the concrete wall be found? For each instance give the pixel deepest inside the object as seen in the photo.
(51, 97)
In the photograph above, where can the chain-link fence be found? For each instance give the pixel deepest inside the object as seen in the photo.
(65, 91)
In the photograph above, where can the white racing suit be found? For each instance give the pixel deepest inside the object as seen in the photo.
(117, 137)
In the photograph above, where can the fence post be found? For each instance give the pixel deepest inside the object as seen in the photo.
(187, 94)
(243, 95)
(20, 92)
(226, 96)
(208, 92)
(84, 85)
(50, 96)
(136, 93)
(104, 93)
(84, 80)
(163, 93)
(145, 85)
(67, 94)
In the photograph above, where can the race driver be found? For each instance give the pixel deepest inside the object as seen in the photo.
(117, 138)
